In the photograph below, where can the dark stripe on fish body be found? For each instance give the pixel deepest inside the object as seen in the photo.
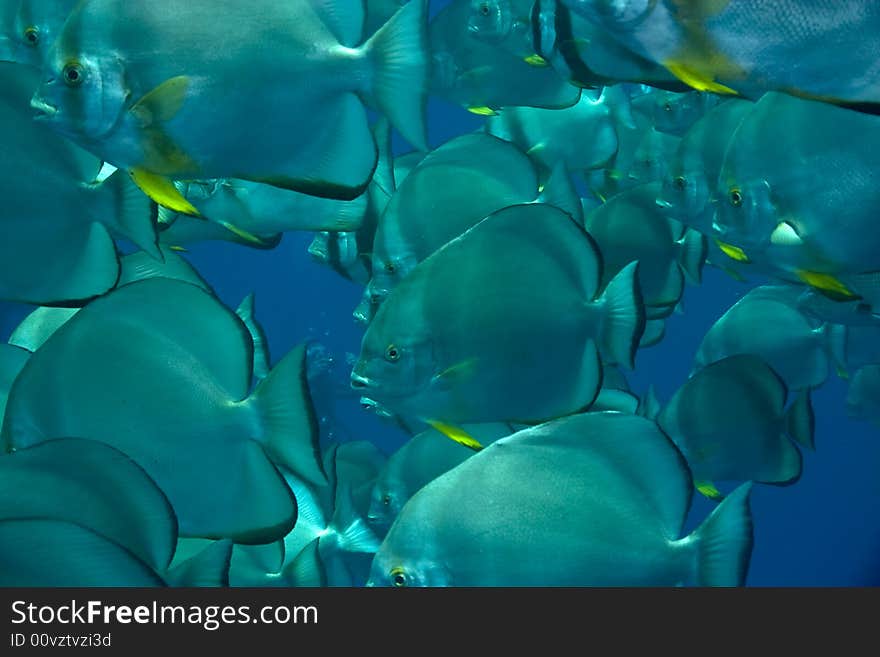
(535, 20)
(580, 73)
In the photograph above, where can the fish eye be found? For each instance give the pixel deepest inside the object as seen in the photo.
(680, 183)
(390, 268)
(399, 578)
(667, 107)
(73, 75)
(392, 353)
(484, 9)
(736, 197)
(386, 500)
(32, 35)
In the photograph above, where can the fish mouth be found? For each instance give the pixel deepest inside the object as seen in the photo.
(372, 405)
(359, 382)
(45, 110)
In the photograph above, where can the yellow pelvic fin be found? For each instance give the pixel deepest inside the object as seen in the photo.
(178, 249)
(457, 434)
(827, 284)
(536, 60)
(735, 275)
(733, 252)
(163, 192)
(162, 103)
(842, 373)
(697, 79)
(243, 234)
(708, 489)
(482, 110)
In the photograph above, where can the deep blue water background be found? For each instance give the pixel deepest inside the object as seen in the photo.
(823, 530)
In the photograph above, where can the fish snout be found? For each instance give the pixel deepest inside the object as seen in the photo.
(45, 110)
(359, 382)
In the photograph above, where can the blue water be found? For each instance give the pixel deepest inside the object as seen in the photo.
(823, 530)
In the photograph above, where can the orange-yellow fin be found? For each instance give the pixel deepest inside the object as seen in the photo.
(708, 489)
(733, 252)
(162, 191)
(697, 79)
(457, 434)
(481, 110)
(827, 284)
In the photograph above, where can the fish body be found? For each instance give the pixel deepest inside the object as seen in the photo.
(747, 47)
(59, 225)
(462, 338)
(730, 422)
(161, 370)
(162, 89)
(590, 500)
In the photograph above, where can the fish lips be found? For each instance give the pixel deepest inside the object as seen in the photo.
(46, 111)
(359, 382)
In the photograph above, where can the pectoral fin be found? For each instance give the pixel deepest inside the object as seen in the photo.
(162, 103)
(458, 372)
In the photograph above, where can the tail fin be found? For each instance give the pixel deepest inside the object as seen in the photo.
(125, 210)
(800, 422)
(560, 192)
(623, 320)
(398, 53)
(724, 541)
(693, 249)
(164, 216)
(352, 532)
(349, 215)
(655, 331)
(384, 175)
(290, 428)
(650, 406)
(261, 345)
(619, 105)
(835, 336)
(140, 266)
(307, 568)
(210, 567)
